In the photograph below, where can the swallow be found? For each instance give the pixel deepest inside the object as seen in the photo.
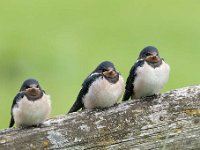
(101, 89)
(147, 76)
(31, 106)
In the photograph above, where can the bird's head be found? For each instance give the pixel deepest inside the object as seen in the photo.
(32, 89)
(150, 54)
(107, 69)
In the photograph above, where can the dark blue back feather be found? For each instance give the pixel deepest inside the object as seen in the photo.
(129, 88)
(84, 90)
(17, 98)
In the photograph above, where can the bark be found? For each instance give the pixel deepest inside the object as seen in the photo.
(169, 121)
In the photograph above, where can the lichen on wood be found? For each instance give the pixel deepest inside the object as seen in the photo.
(169, 121)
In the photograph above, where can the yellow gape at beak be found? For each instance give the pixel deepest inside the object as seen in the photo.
(152, 59)
(33, 91)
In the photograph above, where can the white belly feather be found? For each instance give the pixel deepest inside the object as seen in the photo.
(103, 94)
(150, 80)
(28, 113)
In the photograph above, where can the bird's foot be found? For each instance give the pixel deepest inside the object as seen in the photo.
(37, 126)
(150, 97)
(99, 109)
(105, 108)
(114, 105)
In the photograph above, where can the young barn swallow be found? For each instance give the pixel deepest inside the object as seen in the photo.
(31, 106)
(147, 76)
(101, 89)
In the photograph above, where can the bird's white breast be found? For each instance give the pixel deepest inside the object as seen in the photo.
(102, 93)
(27, 113)
(150, 80)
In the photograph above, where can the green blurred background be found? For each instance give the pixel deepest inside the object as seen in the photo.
(59, 42)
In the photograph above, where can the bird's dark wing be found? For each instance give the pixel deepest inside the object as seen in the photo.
(16, 99)
(85, 87)
(129, 82)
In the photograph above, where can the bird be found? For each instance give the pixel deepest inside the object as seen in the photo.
(101, 89)
(147, 76)
(31, 106)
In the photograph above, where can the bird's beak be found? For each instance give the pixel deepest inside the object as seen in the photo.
(111, 73)
(153, 58)
(33, 91)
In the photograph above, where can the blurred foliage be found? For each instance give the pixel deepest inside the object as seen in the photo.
(61, 42)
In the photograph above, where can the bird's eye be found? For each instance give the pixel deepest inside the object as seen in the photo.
(104, 70)
(148, 54)
(37, 86)
(27, 87)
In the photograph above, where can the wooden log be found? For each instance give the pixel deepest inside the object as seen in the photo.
(169, 122)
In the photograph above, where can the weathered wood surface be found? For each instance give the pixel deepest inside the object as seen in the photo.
(171, 121)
